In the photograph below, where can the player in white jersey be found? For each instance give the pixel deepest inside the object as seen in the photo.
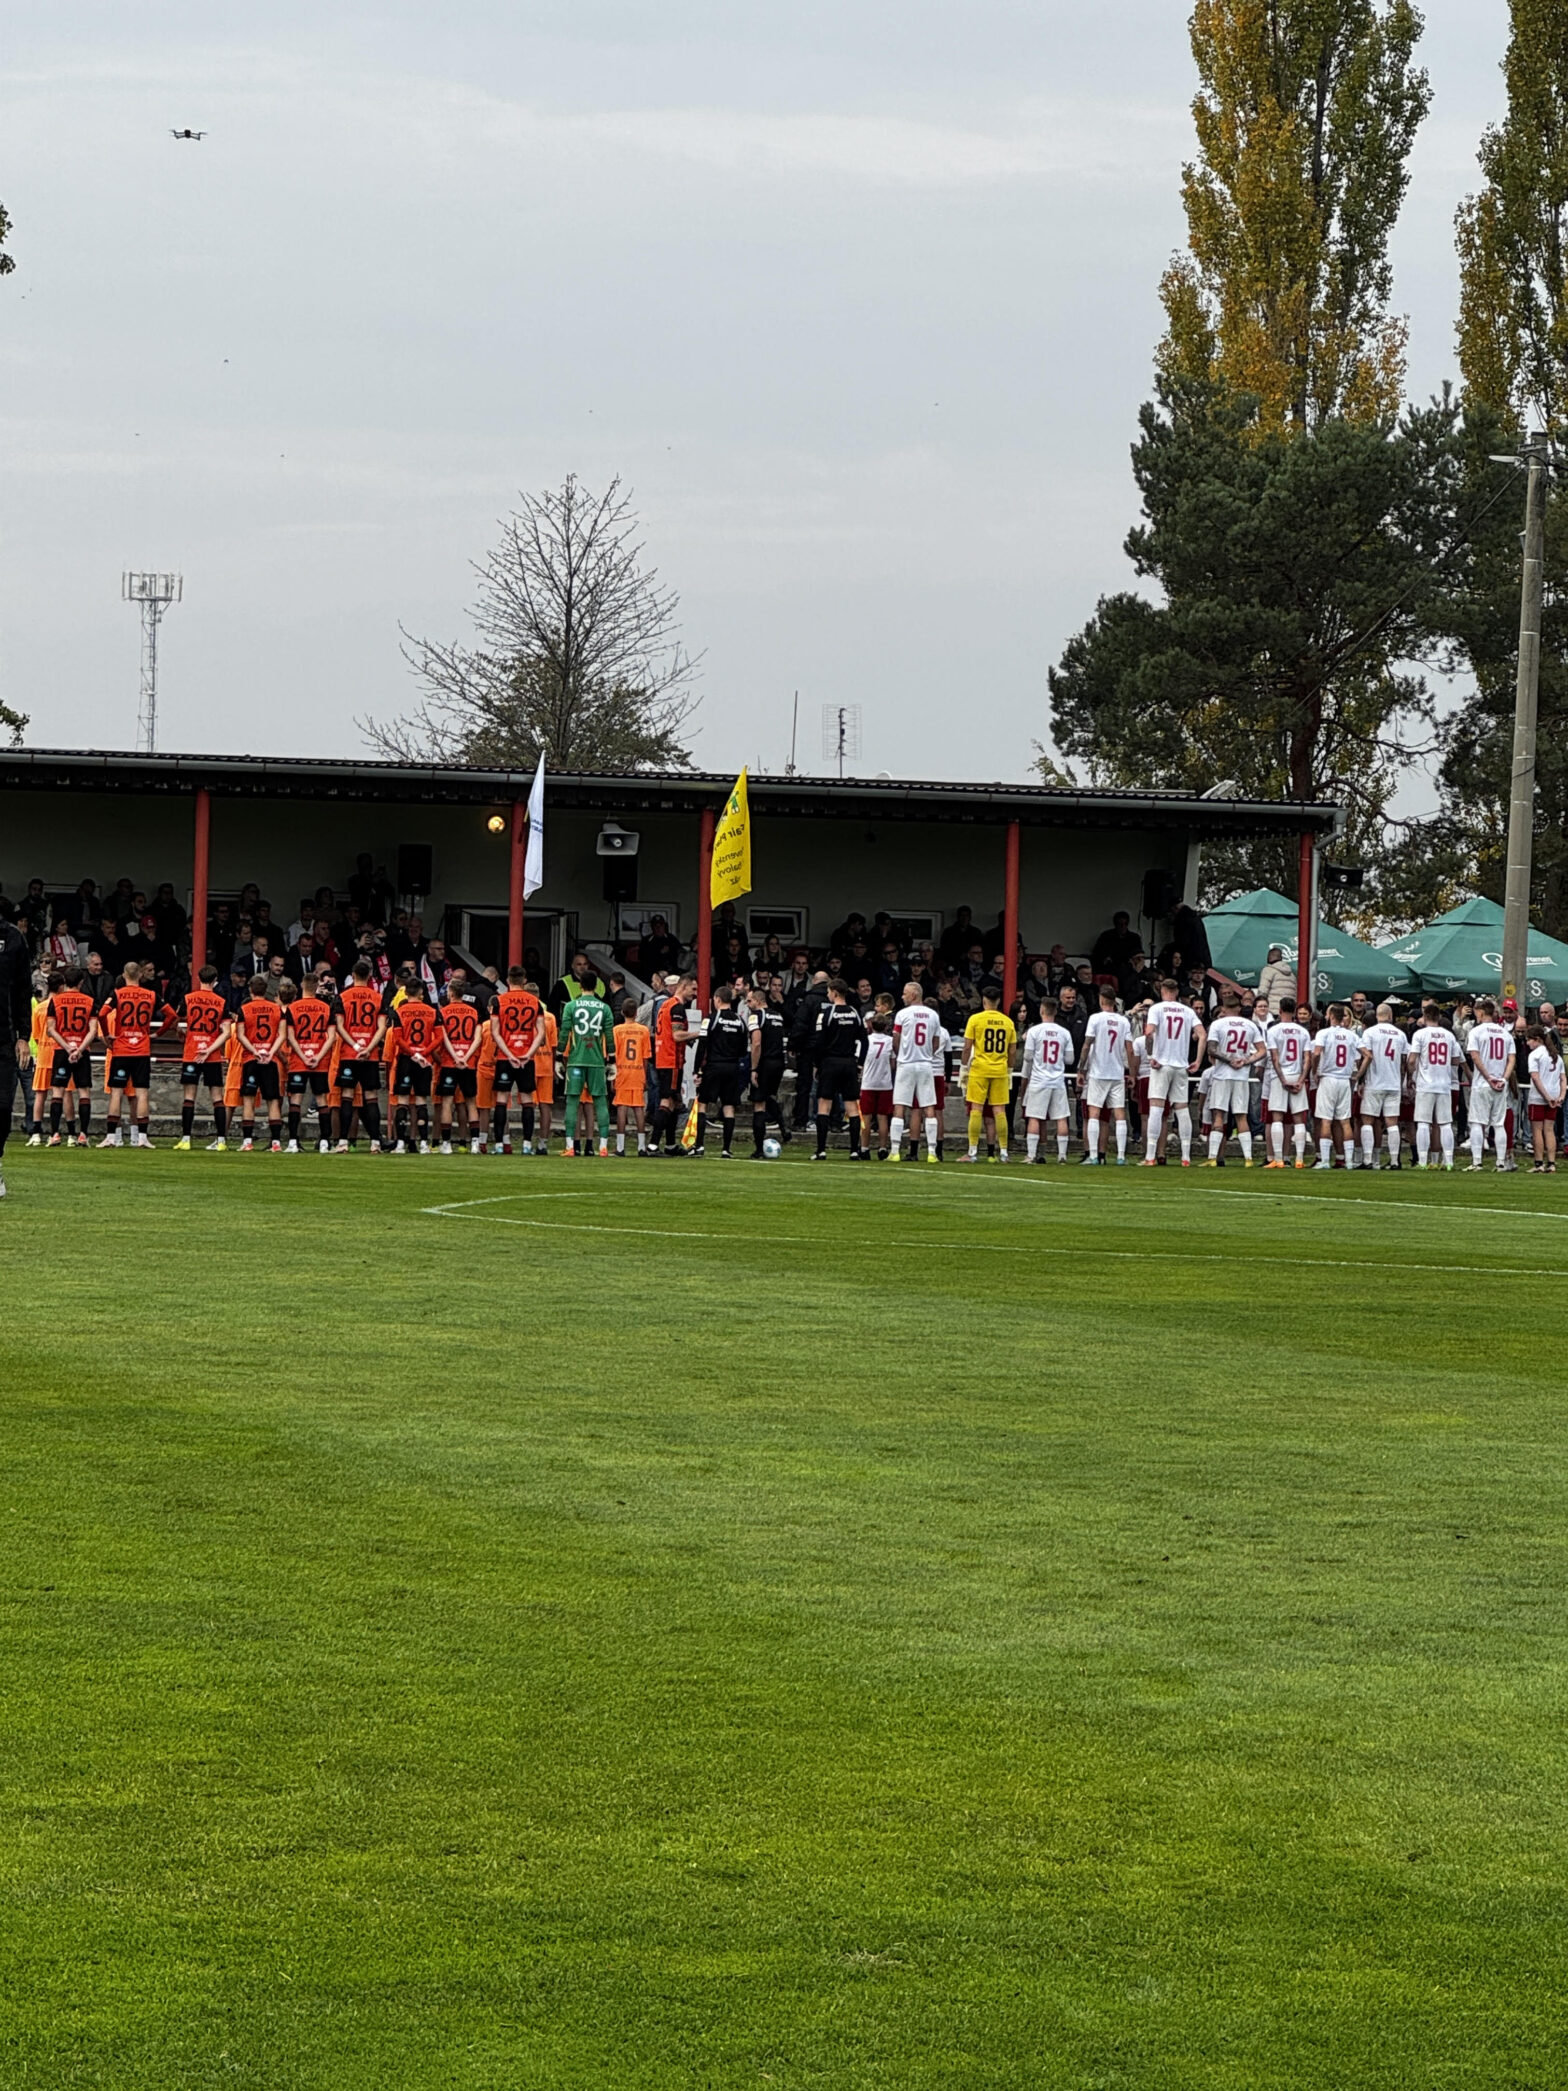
(1544, 1064)
(876, 1083)
(1286, 1098)
(1433, 1056)
(1235, 1047)
(1048, 1053)
(1382, 1085)
(1490, 1051)
(1173, 1040)
(1337, 1062)
(1107, 1062)
(919, 1056)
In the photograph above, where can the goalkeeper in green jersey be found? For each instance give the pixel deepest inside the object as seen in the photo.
(588, 1043)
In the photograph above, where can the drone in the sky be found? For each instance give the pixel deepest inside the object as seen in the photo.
(194, 136)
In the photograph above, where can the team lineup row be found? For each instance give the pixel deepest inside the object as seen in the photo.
(456, 1069)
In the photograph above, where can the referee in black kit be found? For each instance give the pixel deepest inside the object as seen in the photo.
(723, 1066)
(16, 1024)
(840, 1045)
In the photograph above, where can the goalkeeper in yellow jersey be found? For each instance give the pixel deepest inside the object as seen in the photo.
(989, 1042)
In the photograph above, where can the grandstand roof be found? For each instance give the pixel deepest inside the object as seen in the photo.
(851, 798)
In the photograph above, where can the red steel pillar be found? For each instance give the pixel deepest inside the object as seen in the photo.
(514, 894)
(1010, 919)
(1304, 924)
(705, 909)
(200, 874)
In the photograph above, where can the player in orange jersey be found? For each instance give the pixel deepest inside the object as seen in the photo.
(70, 1026)
(633, 1052)
(263, 1048)
(312, 1030)
(544, 1077)
(132, 1015)
(416, 1035)
(206, 1024)
(457, 1078)
(361, 1028)
(516, 1024)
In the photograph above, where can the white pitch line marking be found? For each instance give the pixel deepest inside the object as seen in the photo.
(458, 1210)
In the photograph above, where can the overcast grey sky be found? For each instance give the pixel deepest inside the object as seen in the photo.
(859, 298)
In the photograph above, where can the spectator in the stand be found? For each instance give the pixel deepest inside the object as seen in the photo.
(97, 980)
(852, 926)
(972, 968)
(1191, 938)
(61, 944)
(371, 890)
(883, 929)
(121, 902)
(261, 953)
(995, 939)
(580, 978)
(265, 926)
(220, 935)
(855, 959)
(731, 962)
(163, 950)
(771, 957)
(661, 953)
(1135, 982)
(1277, 980)
(400, 949)
(953, 1008)
(169, 915)
(1038, 987)
(236, 987)
(82, 910)
(105, 941)
(33, 914)
(1073, 1016)
(1088, 991)
(437, 966)
(418, 941)
(250, 898)
(301, 957)
(797, 982)
(956, 939)
(890, 973)
(1058, 967)
(1114, 946)
(726, 926)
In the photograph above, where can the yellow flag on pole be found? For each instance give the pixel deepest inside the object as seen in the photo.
(730, 875)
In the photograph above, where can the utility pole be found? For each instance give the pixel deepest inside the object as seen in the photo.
(1521, 805)
(154, 593)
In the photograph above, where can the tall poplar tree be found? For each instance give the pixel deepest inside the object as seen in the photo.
(1305, 120)
(1513, 351)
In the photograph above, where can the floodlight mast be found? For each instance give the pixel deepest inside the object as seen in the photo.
(154, 592)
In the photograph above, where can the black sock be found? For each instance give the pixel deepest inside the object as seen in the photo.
(187, 1120)
(141, 1128)
(729, 1134)
(56, 1106)
(822, 1136)
(84, 1114)
(854, 1136)
(526, 1112)
(294, 1123)
(759, 1128)
(370, 1118)
(702, 1127)
(220, 1120)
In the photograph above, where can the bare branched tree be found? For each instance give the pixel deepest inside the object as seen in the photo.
(578, 656)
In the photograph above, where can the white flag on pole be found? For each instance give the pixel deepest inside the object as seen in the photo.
(533, 867)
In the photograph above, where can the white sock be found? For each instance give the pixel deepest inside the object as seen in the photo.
(1031, 1145)
(1350, 1154)
(932, 1129)
(1184, 1134)
(1500, 1134)
(895, 1138)
(1121, 1139)
(1094, 1137)
(1156, 1127)
(1423, 1141)
(1299, 1136)
(1061, 1147)
(1368, 1141)
(1277, 1138)
(1448, 1142)
(1325, 1150)
(1245, 1137)
(1216, 1142)
(1393, 1141)
(1477, 1143)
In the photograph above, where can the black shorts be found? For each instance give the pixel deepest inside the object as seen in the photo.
(211, 1072)
(315, 1079)
(65, 1070)
(409, 1078)
(260, 1078)
(509, 1078)
(669, 1084)
(838, 1082)
(765, 1082)
(360, 1074)
(130, 1070)
(722, 1085)
(458, 1081)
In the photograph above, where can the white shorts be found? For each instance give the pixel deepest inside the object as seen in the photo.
(1047, 1100)
(1101, 1093)
(1232, 1093)
(1489, 1106)
(1283, 1102)
(1334, 1100)
(1380, 1103)
(914, 1083)
(1169, 1085)
(1434, 1107)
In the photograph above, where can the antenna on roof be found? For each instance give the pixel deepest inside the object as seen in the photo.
(154, 592)
(841, 733)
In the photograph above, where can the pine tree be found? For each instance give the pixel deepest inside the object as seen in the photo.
(1305, 120)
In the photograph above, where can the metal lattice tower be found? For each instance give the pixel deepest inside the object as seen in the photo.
(154, 592)
(841, 734)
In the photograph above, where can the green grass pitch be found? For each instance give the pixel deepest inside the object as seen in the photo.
(681, 1626)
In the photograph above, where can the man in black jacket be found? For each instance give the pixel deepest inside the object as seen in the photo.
(16, 1024)
(840, 1049)
(803, 1042)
